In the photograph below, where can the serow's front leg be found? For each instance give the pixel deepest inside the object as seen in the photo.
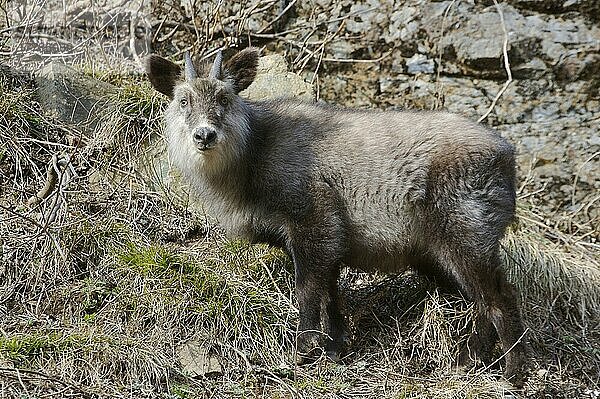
(321, 326)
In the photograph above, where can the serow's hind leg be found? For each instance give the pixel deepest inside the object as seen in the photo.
(484, 281)
(503, 311)
(481, 342)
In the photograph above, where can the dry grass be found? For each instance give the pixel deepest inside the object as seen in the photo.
(96, 300)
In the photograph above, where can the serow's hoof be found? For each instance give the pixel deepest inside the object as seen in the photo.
(315, 355)
(517, 374)
(309, 357)
(334, 356)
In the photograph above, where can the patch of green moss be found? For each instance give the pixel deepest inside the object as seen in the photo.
(134, 98)
(16, 110)
(182, 391)
(25, 346)
(154, 261)
(234, 247)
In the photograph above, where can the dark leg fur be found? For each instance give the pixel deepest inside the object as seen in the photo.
(317, 254)
(481, 342)
(309, 292)
(497, 312)
(334, 321)
(321, 323)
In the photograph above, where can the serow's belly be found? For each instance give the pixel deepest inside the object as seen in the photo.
(370, 260)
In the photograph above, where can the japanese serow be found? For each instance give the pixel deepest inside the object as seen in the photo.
(371, 190)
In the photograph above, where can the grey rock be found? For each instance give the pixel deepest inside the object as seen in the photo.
(477, 38)
(361, 19)
(545, 112)
(72, 96)
(419, 63)
(594, 141)
(402, 25)
(341, 49)
(398, 64)
(532, 68)
(273, 80)
(196, 361)
(385, 83)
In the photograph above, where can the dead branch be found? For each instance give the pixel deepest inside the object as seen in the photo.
(506, 66)
(281, 14)
(32, 375)
(50, 184)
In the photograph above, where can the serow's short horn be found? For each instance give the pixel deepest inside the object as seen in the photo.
(190, 72)
(215, 71)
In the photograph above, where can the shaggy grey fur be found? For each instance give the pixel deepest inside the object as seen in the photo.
(339, 187)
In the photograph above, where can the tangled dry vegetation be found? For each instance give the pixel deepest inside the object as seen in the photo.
(107, 273)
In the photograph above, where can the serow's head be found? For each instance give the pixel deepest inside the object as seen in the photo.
(205, 112)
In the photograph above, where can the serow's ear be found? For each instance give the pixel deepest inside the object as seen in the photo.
(241, 68)
(163, 74)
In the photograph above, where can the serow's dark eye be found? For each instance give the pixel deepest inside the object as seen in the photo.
(183, 102)
(223, 101)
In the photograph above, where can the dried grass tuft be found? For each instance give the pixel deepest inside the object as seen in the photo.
(546, 274)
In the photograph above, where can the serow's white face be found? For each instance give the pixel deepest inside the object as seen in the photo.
(206, 118)
(200, 111)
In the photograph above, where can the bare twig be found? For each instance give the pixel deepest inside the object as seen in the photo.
(281, 14)
(359, 61)
(594, 155)
(438, 86)
(51, 178)
(506, 65)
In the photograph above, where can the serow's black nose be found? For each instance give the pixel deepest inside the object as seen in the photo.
(204, 136)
